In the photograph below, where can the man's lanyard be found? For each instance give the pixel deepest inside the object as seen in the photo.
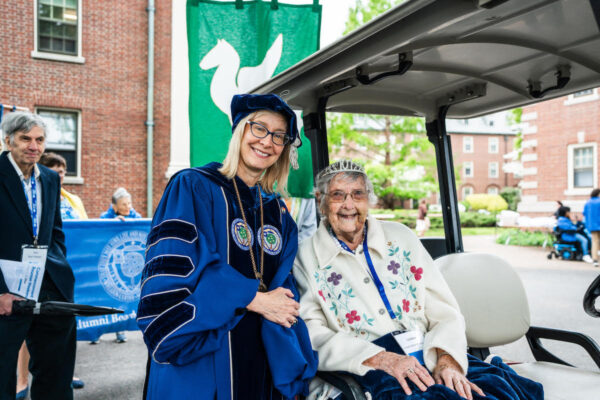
(380, 287)
(378, 283)
(33, 206)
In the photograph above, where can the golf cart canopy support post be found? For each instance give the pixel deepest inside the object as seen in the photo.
(315, 129)
(436, 133)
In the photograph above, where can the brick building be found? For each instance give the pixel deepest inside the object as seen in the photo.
(560, 152)
(84, 67)
(478, 148)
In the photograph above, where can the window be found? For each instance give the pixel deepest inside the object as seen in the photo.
(582, 96)
(468, 144)
(468, 169)
(493, 190)
(582, 168)
(466, 191)
(58, 30)
(57, 26)
(63, 137)
(493, 169)
(587, 92)
(493, 145)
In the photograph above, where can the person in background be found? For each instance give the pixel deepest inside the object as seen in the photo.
(591, 213)
(304, 213)
(30, 215)
(71, 207)
(422, 219)
(564, 223)
(120, 208)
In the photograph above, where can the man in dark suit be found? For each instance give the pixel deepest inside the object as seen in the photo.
(30, 214)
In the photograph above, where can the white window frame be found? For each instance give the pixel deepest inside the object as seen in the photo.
(468, 140)
(491, 142)
(496, 189)
(468, 164)
(582, 99)
(78, 59)
(571, 189)
(496, 166)
(463, 190)
(77, 179)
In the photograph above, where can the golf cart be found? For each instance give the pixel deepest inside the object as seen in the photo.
(441, 59)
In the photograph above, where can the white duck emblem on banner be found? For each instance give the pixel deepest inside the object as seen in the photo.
(229, 79)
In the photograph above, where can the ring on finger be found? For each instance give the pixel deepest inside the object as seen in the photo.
(295, 321)
(410, 371)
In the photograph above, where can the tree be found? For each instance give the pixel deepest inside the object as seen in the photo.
(399, 168)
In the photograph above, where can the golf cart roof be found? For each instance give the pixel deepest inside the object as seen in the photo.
(478, 56)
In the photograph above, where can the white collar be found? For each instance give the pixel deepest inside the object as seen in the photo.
(326, 247)
(36, 170)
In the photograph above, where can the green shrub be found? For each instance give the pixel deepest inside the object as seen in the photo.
(522, 238)
(490, 202)
(476, 220)
(512, 196)
(467, 219)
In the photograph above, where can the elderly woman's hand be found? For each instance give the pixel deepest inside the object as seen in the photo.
(402, 367)
(448, 372)
(277, 306)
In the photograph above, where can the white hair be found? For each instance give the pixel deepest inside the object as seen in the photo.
(119, 194)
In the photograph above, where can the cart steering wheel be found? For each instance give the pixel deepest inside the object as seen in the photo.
(589, 299)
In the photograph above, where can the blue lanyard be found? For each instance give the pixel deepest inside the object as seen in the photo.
(33, 206)
(378, 283)
(380, 287)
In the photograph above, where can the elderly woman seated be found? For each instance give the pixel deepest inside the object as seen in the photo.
(377, 308)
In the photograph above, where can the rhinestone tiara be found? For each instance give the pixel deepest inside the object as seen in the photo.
(341, 166)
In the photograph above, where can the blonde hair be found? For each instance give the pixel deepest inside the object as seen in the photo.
(274, 179)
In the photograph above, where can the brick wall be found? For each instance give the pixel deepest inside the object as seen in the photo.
(549, 129)
(481, 157)
(109, 90)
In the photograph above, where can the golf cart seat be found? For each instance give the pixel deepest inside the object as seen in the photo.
(493, 301)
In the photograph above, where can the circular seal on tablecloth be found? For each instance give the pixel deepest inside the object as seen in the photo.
(272, 240)
(241, 236)
(121, 264)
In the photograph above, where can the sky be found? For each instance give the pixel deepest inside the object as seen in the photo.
(333, 19)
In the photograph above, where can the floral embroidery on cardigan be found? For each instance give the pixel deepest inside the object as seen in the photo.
(403, 280)
(339, 294)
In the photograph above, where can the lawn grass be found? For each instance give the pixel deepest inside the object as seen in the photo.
(465, 231)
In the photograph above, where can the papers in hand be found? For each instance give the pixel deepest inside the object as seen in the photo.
(23, 278)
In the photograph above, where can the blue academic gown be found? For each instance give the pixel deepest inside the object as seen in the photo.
(197, 281)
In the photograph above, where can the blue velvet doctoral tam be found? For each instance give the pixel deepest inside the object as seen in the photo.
(497, 380)
(197, 281)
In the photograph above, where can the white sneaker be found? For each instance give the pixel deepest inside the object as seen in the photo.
(588, 259)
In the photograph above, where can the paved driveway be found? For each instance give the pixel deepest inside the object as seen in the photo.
(554, 288)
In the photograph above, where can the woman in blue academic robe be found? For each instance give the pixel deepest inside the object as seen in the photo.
(218, 307)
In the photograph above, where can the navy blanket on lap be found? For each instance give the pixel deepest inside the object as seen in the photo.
(497, 380)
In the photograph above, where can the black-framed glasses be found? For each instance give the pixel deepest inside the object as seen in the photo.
(259, 131)
(339, 196)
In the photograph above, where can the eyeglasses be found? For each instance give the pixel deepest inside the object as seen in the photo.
(259, 131)
(339, 196)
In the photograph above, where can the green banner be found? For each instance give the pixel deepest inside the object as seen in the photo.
(233, 47)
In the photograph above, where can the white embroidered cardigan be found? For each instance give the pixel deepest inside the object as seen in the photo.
(343, 309)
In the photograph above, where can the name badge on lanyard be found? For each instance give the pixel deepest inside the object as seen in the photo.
(412, 343)
(33, 260)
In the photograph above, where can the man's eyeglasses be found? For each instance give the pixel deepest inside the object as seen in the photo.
(259, 131)
(339, 196)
